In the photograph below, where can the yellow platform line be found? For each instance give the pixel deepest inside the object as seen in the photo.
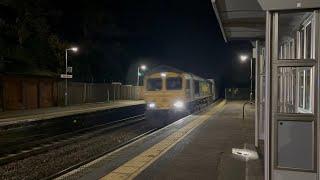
(135, 166)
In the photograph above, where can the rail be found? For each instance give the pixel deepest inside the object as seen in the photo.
(41, 146)
(69, 169)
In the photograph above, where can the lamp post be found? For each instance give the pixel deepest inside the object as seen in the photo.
(74, 49)
(244, 58)
(142, 67)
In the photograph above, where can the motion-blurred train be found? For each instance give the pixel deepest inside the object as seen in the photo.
(168, 89)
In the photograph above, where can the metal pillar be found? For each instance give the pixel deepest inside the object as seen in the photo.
(66, 81)
(138, 76)
(267, 148)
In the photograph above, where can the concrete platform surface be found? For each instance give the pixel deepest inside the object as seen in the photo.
(22, 116)
(195, 147)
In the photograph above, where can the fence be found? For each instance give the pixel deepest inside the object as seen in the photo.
(21, 92)
(79, 93)
(237, 93)
(32, 92)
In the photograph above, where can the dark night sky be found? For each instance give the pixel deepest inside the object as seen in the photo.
(180, 33)
(185, 34)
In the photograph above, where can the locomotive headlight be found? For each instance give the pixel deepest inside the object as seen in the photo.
(178, 104)
(152, 105)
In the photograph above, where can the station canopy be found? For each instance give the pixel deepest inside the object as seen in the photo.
(245, 19)
(240, 19)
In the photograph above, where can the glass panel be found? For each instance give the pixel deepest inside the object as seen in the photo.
(308, 88)
(308, 41)
(295, 35)
(301, 44)
(154, 84)
(262, 60)
(295, 90)
(301, 88)
(174, 83)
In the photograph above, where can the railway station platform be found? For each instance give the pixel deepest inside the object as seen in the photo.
(213, 144)
(21, 117)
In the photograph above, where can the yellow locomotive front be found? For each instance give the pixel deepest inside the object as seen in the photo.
(165, 91)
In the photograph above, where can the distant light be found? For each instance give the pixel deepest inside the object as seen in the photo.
(74, 49)
(243, 58)
(163, 74)
(143, 67)
(178, 104)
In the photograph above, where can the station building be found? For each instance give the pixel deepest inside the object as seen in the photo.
(286, 38)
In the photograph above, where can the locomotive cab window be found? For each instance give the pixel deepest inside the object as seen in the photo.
(174, 83)
(188, 84)
(154, 84)
(197, 88)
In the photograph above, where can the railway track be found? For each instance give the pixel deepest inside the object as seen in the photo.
(69, 169)
(44, 145)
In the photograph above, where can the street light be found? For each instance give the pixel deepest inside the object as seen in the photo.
(143, 68)
(243, 58)
(73, 49)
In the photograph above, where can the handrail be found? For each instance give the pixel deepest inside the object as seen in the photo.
(243, 107)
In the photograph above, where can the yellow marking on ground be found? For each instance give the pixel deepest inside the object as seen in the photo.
(135, 166)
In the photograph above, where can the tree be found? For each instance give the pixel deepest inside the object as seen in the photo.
(27, 39)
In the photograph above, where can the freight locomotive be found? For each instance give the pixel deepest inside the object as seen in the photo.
(167, 89)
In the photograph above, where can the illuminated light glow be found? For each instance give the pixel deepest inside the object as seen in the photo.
(163, 74)
(151, 105)
(74, 49)
(245, 154)
(178, 104)
(143, 67)
(243, 58)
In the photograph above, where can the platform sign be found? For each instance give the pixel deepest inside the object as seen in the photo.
(66, 76)
(69, 70)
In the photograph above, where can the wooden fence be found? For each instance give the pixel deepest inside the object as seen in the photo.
(19, 92)
(79, 93)
(32, 92)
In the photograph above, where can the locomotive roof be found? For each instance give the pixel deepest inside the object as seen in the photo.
(165, 68)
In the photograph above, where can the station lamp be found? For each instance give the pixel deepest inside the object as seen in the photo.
(143, 68)
(73, 49)
(243, 58)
